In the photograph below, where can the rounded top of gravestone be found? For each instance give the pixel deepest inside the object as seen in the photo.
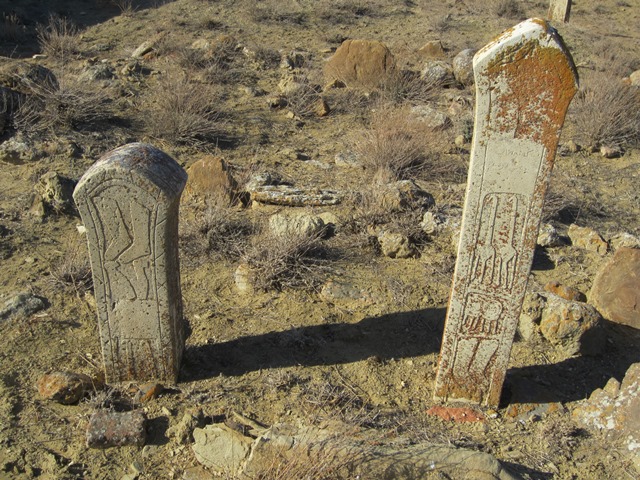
(138, 163)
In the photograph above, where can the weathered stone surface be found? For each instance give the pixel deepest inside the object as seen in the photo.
(432, 49)
(456, 414)
(396, 245)
(24, 304)
(463, 67)
(56, 192)
(573, 326)
(525, 80)
(564, 291)
(294, 197)
(345, 295)
(116, 429)
(360, 62)
(297, 224)
(221, 449)
(210, 178)
(405, 195)
(634, 78)
(182, 432)
(587, 238)
(616, 408)
(129, 202)
(64, 387)
(624, 239)
(616, 288)
(17, 151)
(438, 73)
(548, 236)
(559, 11)
(529, 321)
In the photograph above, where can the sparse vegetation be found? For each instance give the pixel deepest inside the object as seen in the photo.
(511, 9)
(73, 271)
(59, 38)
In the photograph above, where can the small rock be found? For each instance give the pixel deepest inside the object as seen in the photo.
(572, 147)
(529, 321)
(363, 63)
(432, 49)
(210, 178)
(17, 151)
(616, 288)
(563, 291)
(588, 239)
(430, 117)
(456, 414)
(149, 391)
(116, 429)
(405, 194)
(624, 240)
(23, 304)
(295, 59)
(321, 108)
(345, 295)
(347, 159)
(433, 223)
(56, 192)
(610, 152)
(299, 224)
(548, 236)
(572, 326)
(100, 71)
(245, 279)
(221, 448)
(463, 67)
(64, 387)
(437, 73)
(277, 101)
(294, 197)
(396, 245)
(183, 431)
(634, 78)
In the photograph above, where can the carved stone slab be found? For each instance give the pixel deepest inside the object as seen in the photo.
(129, 201)
(559, 10)
(525, 80)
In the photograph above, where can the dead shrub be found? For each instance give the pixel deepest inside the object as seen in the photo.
(508, 9)
(11, 27)
(607, 112)
(401, 86)
(220, 64)
(216, 231)
(185, 113)
(59, 38)
(398, 146)
(292, 261)
(66, 104)
(278, 11)
(345, 12)
(127, 8)
(73, 271)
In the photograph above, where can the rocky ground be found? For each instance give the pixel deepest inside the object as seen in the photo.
(328, 341)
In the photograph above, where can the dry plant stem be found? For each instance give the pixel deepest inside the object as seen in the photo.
(59, 38)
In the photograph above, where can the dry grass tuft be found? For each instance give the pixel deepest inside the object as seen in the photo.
(402, 86)
(127, 8)
(292, 261)
(59, 38)
(508, 9)
(606, 112)
(73, 271)
(67, 104)
(11, 27)
(286, 12)
(397, 146)
(185, 113)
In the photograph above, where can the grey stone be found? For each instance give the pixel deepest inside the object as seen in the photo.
(116, 429)
(56, 192)
(431, 117)
(463, 67)
(221, 449)
(438, 73)
(23, 304)
(508, 173)
(129, 202)
(17, 151)
(294, 197)
(548, 236)
(297, 224)
(182, 432)
(345, 295)
(396, 245)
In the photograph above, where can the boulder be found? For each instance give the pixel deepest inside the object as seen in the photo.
(463, 67)
(616, 288)
(56, 192)
(572, 326)
(363, 63)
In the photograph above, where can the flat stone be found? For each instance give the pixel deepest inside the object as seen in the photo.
(616, 288)
(345, 295)
(587, 239)
(564, 291)
(363, 63)
(525, 80)
(116, 429)
(221, 448)
(64, 387)
(210, 178)
(129, 203)
(23, 304)
(294, 197)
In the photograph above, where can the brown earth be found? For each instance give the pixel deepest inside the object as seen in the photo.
(290, 355)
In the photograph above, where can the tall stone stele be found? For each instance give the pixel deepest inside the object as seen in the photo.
(525, 80)
(129, 202)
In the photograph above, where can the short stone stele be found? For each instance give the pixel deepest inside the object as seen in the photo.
(129, 202)
(525, 80)
(559, 10)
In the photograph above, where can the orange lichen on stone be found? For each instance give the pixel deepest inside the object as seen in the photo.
(456, 414)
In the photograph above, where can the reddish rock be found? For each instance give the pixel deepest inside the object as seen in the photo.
(456, 414)
(116, 429)
(616, 288)
(568, 293)
(64, 387)
(361, 62)
(588, 239)
(149, 391)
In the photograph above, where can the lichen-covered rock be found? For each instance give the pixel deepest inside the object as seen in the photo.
(396, 245)
(548, 236)
(438, 73)
(116, 429)
(64, 387)
(299, 224)
(360, 62)
(624, 239)
(221, 448)
(431, 117)
(616, 288)
(529, 321)
(56, 192)
(22, 304)
(572, 326)
(294, 197)
(463, 67)
(405, 194)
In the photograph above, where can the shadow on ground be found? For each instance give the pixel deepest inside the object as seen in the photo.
(397, 335)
